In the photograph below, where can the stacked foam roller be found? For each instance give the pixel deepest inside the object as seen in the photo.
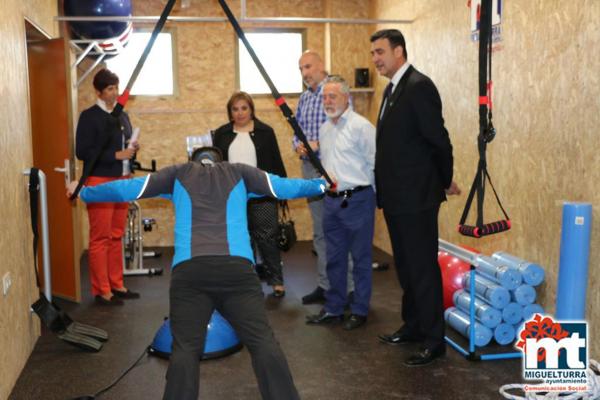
(504, 298)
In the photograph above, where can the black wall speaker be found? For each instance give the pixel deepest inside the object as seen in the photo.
(361, 77)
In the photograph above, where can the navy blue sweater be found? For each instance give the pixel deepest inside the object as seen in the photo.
(94, 129)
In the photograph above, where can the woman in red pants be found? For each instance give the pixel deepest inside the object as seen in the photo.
(99, 131)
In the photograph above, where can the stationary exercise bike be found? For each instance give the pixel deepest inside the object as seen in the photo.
(133, 249)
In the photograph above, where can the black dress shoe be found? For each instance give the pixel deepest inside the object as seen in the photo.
(324, 317)
(397, 338)
(128, 294)
(425, 356)
(112, 302)
(354, 321)
(316, 296)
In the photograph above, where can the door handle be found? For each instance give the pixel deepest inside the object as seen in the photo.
(65, 170)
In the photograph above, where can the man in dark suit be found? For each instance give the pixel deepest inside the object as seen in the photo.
(413, 174)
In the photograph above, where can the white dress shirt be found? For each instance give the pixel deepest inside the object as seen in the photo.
(348, 150)
(242, 149)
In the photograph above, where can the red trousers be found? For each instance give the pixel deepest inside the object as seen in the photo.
(107, 224)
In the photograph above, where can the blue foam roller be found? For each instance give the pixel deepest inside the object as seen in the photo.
(504, 333)
(512, 313)
(509, 278)
(460, 322)
(484, 313)
(533, 274)
(530, 309)
(524, 295)
(493, 293)
(574, 260)
(221, 339)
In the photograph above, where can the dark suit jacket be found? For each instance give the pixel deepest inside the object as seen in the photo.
(268, 157)
(413, 160)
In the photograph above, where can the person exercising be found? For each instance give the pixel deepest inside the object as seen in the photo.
(212, 264)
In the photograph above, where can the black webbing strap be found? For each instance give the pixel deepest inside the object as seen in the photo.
(279, 100)
(140, 64)
(123, 98)
(48, 313)
(34, 187)
(486, 135)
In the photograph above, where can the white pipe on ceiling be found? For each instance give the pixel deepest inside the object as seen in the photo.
(244, 18)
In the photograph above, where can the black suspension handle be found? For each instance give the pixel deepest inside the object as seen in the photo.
(137, 166)
(486, 229)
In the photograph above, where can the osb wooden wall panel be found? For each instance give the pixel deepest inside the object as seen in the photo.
(546, 112)
(350, 47)
(18, 328)
(206, 75)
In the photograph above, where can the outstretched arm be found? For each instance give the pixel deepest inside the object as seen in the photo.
(157, 184)
(115, 191)
(293, 188)
(262, 183)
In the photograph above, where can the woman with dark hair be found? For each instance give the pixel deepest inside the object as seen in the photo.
(247, 140)
(108, 138)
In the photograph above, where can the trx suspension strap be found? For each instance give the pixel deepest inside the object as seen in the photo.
(123, 98)
(279, 100)
(486, 134)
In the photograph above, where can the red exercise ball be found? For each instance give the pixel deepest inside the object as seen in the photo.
(452, 269)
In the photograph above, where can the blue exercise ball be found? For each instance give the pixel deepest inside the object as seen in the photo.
(98, 8)
(221, 339)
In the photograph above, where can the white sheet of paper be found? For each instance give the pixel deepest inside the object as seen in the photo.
(134, 137)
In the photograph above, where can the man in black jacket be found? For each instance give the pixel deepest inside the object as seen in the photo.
(211, 268)
(413, 174)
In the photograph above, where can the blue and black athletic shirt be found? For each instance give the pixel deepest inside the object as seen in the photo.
(210, 202)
